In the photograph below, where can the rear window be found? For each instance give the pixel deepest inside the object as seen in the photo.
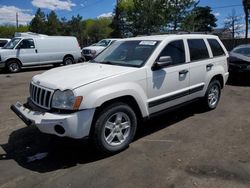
(216, 47)
(198, 49)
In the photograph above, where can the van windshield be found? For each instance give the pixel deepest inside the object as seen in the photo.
(11, 44)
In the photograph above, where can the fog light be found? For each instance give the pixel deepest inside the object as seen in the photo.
(59, 129)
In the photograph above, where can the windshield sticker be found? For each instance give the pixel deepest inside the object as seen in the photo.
(147, 42)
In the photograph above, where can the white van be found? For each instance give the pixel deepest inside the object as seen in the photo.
(30, 49)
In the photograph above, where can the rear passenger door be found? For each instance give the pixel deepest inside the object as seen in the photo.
(200, 64)
(169, 86)
(27, 53)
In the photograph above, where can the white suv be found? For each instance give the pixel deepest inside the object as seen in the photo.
(92, 51)
(134, 78)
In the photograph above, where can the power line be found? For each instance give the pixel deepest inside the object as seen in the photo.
(228, 6)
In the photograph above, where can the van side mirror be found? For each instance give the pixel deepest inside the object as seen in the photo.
(162, 62)
(19, 46)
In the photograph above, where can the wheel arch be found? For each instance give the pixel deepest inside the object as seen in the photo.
(13, 59)
(127, 99)
(69, 55)
(220, 78)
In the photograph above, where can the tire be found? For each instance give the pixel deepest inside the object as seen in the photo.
(13, 66)
(212, 95)
(114, 128)
(68, 60)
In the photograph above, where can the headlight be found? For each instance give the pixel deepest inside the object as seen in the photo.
(66, 100)
(93, 52)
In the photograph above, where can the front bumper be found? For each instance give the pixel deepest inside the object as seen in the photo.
(226, 76)
(88, 57)
(2, 65)
(75, 125)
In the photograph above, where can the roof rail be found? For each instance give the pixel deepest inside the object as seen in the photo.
(28, 34)
(197, 32)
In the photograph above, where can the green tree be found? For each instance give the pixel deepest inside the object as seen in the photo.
(8, 31)
(64, 27)
(120, 22)
(177, 11)
(146, 17)
(97, 29)
(200, 19)
(53, 24)
(38, 23)
(77, 27)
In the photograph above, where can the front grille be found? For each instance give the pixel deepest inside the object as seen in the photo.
(41, 96)
(85, 52)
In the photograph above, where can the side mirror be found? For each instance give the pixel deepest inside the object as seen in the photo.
(163, 61)
(19, 46)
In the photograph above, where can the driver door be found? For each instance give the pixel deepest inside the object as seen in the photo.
(169, 86)
(26, 52)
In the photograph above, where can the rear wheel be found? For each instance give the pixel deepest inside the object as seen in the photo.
(13, 66)
(114, 128)
(212, 96)
(68, 60)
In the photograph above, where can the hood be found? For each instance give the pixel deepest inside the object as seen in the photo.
(6, 51)
(96, 48)
(73, 76)
(240, 56)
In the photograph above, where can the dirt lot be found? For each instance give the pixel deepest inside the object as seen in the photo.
(184, 148)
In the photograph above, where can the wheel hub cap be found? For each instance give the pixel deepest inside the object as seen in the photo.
(117, 129)
(213, 95)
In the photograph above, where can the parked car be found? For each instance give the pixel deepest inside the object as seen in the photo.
(3, 41)
(239, 59)
(29, 49)
(91, 51)
(134, 79)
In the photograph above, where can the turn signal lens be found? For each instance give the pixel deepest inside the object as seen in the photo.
(77, 103)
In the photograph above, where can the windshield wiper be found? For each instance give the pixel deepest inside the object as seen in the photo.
(107, 62)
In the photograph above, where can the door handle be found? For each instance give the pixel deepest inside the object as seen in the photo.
(209, 66)
(185, 71)
(36, 50)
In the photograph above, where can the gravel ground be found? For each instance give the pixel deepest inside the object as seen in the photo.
(184, 148)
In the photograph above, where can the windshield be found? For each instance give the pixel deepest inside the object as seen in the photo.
(243, 51)
(102, 43)
(11, 44)
(127, 53)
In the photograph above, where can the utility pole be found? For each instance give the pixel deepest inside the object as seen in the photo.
(17, 20)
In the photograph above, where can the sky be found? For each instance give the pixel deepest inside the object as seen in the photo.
(95, 8)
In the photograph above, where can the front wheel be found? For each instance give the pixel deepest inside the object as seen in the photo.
(212, 96)
(114, 128)
(13, 66)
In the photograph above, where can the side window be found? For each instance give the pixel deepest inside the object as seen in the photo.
(27, 43)
(198, 49)
(216, 47)
(176, 51)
